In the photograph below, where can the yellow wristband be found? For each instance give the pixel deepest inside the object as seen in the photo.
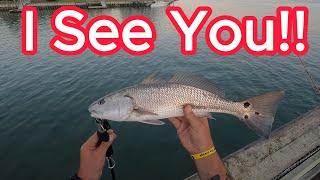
(204, 154)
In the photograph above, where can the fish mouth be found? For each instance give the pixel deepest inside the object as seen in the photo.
(96, 114)
(93, 112)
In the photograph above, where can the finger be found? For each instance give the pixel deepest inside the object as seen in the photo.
(190, 116)
(205, 120)
(112, 135)
(182, 119)
(175, 122)
(92, 141)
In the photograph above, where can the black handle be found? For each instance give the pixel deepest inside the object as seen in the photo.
(104, 136)
(104, 126)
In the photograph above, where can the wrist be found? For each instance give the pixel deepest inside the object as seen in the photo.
(211, 166)
(205, 166)
(209, 144)
(81, 175)
(75, 177)
(201, 147)
(204, 154)
(84, 175)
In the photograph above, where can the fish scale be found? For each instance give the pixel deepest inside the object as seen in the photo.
(157, 97)
(154, 99)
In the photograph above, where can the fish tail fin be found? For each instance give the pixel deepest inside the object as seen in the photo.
(259, 111)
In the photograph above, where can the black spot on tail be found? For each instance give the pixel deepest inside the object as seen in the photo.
(246, 116)
(246, 104)
(257, 113)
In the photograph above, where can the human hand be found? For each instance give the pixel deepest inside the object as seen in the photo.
(193, 132)
(92, 158)
(194, 135)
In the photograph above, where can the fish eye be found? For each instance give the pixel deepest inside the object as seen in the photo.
(102, 101)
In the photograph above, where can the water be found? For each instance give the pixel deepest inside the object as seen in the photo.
(44, 98)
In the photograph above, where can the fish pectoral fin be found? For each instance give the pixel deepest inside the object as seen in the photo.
(197, 107)
(142, 111)
(153, 122)
(209, 116)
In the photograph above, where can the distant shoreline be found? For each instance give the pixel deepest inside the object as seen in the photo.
(10, 5)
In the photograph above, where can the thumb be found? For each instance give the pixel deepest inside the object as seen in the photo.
(91, 142)
(190, 116)
(175, 122)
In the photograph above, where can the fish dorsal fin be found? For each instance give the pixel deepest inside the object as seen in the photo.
(151, 79)
(197, 82)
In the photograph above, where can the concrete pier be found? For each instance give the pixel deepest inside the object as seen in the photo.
(292, 152)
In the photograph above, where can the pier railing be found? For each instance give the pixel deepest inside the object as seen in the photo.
(290, 153)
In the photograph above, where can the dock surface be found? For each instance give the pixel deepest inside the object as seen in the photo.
(292, 152)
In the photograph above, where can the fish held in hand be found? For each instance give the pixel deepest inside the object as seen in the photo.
(155, 99)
